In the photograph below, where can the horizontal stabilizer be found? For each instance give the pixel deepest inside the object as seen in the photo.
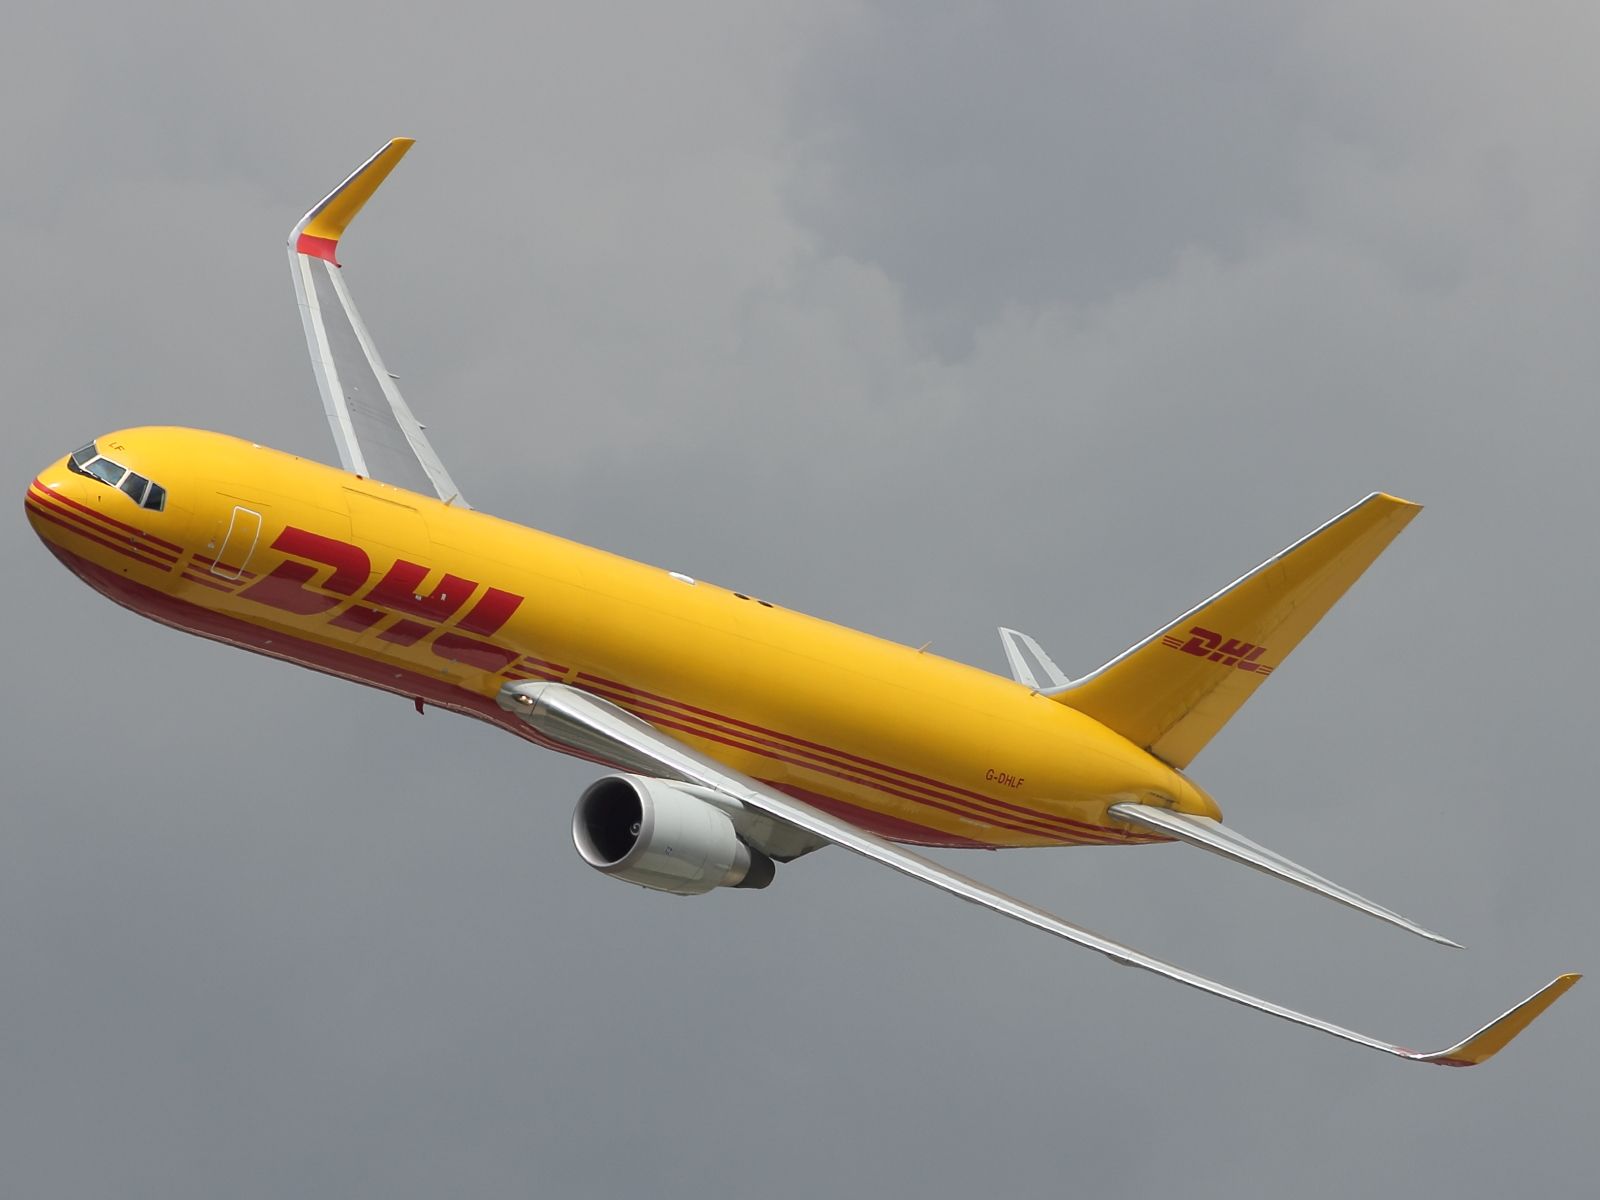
(1020, 648)
(1216, 837)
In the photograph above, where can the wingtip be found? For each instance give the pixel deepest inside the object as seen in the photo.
(1497, 1034)
(1394, 918)
(318, 232)
(1398, 504)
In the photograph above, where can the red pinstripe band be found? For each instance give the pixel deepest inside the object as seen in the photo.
(332, 660)
(1034, 826)
(45, 514)
(803, 746)
(702, 724)
(853, 768)
(73, 520)
(47, 502)
(205, 581)
(441, 693)
(201, 563)
(543, 664)
(895, 828)
(122, 525)
(99, 534)
(1039, 826)
(520, 673)
(906, 778)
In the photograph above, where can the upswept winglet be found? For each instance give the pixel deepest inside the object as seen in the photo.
(1497, 1034)
(319, 231)
(373, 427)
(601, 730)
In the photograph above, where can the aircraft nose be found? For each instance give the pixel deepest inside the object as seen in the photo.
(53, 490)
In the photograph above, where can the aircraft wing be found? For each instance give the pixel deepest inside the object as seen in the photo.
(599, 729)
(376, 433)
(1216, 837)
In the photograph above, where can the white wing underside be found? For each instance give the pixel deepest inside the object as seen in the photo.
(373, 427)
(1019, 648)
(599, 729)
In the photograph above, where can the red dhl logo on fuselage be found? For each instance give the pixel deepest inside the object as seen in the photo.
(1203, 643)
(398, 597)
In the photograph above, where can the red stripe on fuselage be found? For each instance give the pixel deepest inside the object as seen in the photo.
(216, 566)
(78, 515)
(540, 664)
(65, 522)
(162, 542)
(521, 673)
(206, 581)
(68, 519)
(855, 762)
(892, 828)
(1038, 825)
(275, 643)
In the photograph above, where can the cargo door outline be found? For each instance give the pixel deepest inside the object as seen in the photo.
(244, 531)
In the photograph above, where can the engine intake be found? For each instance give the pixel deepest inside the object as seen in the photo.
(651, 833)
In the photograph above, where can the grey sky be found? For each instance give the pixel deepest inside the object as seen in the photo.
(921, 321)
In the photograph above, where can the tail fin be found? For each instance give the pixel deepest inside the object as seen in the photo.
(1173, 691)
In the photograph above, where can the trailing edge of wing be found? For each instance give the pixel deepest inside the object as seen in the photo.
(579, 721)
(1216, 837)
(373, 427)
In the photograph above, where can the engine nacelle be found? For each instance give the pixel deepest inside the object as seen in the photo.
(649, 832)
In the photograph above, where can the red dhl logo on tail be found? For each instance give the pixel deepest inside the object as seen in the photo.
(398, 594)
(1203, 643)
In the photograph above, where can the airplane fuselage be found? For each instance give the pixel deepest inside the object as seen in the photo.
(445, 606)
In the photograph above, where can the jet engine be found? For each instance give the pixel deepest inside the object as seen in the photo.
(656, 835)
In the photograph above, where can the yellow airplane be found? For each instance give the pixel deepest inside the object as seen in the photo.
(740, 735)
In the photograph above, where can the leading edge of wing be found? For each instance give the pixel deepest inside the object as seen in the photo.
(573, 718)
(376, 433)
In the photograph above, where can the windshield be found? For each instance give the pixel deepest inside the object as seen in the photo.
(87, 460)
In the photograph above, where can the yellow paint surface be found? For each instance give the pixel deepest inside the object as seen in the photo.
(911, 744)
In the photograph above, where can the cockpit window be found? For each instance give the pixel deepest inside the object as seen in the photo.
(147, 494)
(106, 471)
(80, 459)
(134, 484)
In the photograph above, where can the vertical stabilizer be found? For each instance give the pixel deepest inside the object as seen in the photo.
(1173, 691)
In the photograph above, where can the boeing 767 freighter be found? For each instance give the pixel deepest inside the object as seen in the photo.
(739, 736)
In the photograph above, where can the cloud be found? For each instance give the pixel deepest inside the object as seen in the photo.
(920, 321)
